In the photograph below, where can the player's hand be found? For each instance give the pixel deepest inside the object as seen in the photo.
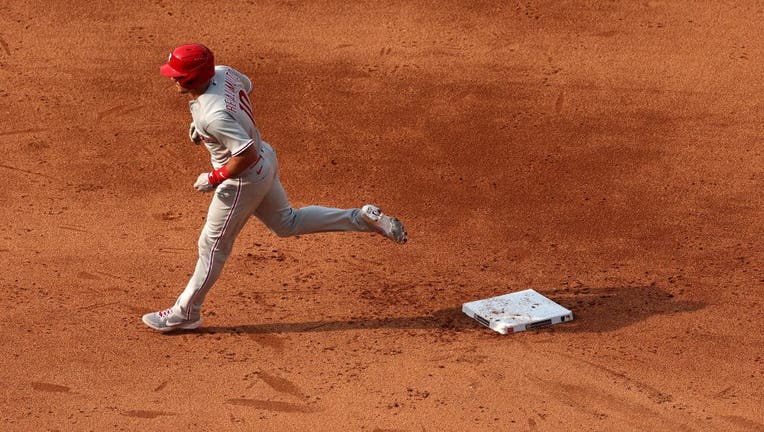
(203, 183)
(193, 134)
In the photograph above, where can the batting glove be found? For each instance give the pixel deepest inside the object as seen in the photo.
(203, 183)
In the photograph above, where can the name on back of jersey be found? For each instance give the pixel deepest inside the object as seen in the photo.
(230, 91)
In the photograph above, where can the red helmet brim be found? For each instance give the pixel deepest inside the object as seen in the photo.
(169, 72)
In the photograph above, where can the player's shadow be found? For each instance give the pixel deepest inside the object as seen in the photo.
(446, 319)
(594, 309)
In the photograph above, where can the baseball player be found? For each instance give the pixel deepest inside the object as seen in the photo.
(244, 180)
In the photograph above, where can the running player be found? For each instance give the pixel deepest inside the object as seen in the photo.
(244, 180)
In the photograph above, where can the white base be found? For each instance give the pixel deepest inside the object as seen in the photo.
(516, 312)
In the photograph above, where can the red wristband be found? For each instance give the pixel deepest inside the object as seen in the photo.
(218, 176)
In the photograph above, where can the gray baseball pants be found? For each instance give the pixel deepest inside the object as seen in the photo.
(257, 192)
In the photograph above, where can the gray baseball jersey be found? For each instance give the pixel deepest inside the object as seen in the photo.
(223, 116)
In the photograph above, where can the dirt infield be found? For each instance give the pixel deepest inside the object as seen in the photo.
(607, 154)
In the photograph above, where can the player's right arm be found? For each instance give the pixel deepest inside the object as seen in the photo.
(239, 163)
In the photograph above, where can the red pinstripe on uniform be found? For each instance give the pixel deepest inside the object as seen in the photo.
(214, 246)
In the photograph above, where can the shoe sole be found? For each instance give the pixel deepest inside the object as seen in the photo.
(397, 225)
(187, 326)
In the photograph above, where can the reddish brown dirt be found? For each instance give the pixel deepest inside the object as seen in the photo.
(607, 154)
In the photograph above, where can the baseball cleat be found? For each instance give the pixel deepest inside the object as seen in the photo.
(168, 320)
(389, 227)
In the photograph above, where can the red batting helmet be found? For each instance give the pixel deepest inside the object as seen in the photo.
(191, 64)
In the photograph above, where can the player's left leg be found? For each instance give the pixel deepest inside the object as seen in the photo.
(285, 221)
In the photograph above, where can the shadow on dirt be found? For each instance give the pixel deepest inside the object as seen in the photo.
(595, 310)
(446, 319)
(611, 308)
